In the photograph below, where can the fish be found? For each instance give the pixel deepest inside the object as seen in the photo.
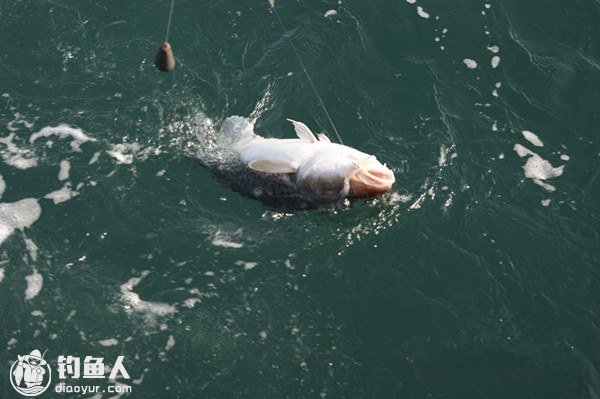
(310, 167)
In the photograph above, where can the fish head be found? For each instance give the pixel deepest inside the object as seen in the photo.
(346, 174)
(326, 176)
(371, 178)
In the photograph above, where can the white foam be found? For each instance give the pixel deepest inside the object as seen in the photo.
(18, 119)
(108, 342)
(18, 215)
(532, 138)
(222, 240)
(495, 61)
(94, 158)
(134, 302)
(35, 281)
(422, 13)
(501, 156)
(545, 202)
(170, 343)
(1, 274)
(403, 198)
(63, 131)
(471, 64)
(442, 158)
(488, 6)
(411, 1)
(19, 158)
(191, 302)
(548, 187)
(522, 151)
(19, 162)
(247, 265)
(65, 167)
(537, 168)
(493, 49)
(62, 194)
(2, 186)
(330, 13)
(124, 153)
(32, 248)
(495, 127)
(565, 157)
(37, 313)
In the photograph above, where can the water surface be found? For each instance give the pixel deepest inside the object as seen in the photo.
(478, 276)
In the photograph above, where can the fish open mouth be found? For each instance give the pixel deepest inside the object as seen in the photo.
(371, 180)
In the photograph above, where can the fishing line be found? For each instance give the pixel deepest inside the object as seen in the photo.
(170, 19)
(164, 59)
(312, 85)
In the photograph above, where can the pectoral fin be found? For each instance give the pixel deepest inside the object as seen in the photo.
(303, 131)
(273, 165)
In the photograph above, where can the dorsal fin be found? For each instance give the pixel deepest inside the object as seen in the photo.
(303, 131)
(323, 138)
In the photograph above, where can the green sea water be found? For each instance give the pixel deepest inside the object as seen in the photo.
(478, 276)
